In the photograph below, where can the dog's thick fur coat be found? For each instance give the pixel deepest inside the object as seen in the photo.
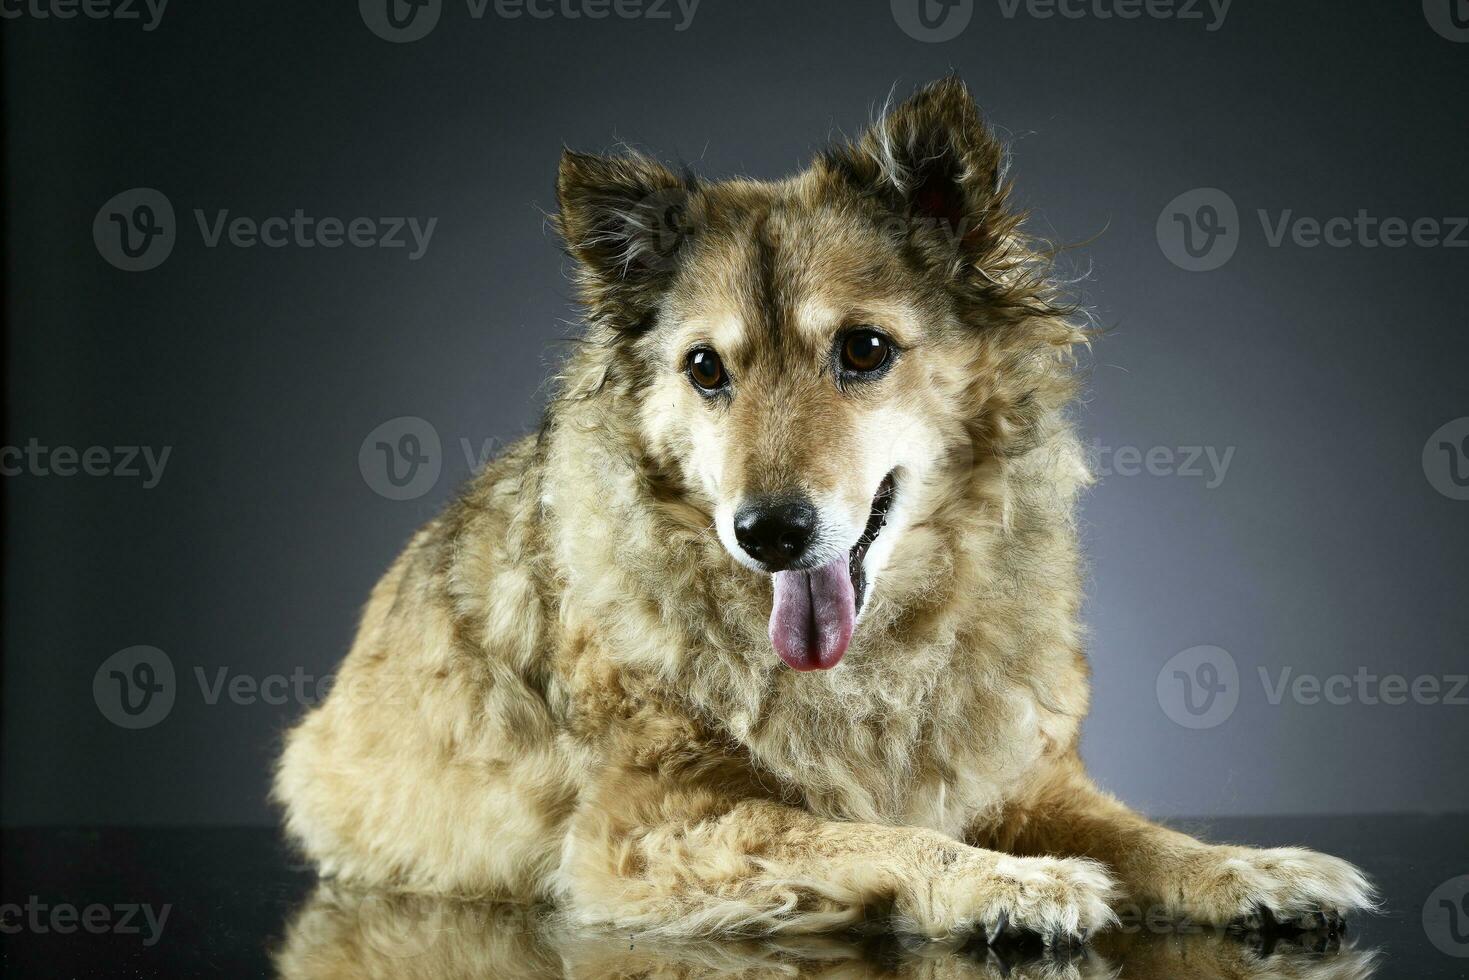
(564, 689)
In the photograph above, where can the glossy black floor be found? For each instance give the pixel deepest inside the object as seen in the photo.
(232, 902)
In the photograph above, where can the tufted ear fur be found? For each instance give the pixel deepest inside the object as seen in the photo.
(624, 219)
(933, 162)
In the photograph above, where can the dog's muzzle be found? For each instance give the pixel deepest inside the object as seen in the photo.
(815, 610)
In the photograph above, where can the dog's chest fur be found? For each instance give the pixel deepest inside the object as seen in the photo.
(901, 746)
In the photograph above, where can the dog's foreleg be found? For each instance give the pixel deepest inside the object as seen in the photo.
(1164, 871)
(683, 862)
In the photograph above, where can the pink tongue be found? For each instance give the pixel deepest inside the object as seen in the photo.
(811, 622)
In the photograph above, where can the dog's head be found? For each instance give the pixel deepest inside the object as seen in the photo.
(821, 356)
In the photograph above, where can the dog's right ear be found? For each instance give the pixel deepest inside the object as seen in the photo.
(624, 219)
(933, 159)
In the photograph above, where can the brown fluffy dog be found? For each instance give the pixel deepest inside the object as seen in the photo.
(774, 625)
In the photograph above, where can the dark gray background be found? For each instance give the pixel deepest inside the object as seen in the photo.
(1325, 549)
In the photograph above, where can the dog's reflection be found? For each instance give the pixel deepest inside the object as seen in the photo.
(341, 933)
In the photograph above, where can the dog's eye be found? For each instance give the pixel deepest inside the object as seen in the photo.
(706, 370)
(865, 351)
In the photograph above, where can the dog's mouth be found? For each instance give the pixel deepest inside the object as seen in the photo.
(882, 503)
(815, 610)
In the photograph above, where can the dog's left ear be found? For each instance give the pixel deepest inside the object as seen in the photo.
(625, 221)
(933, 159)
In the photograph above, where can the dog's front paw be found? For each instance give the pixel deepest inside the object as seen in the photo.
(1054, 901)
(1277, 888)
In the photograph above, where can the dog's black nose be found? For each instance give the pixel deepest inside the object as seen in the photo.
(775, 531)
